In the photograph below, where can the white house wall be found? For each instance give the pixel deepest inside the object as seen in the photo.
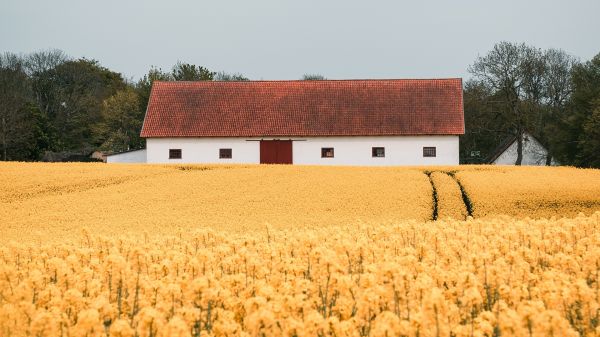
(202, 150)
(399, 150)
(137, 156)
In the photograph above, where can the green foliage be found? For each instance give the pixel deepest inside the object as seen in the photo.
(18, 119)
(590, 139)
(484, 125)
(190, 72)
(83, 86)
(313, 77)
(223, 76)
(584, 121)
(122, 122)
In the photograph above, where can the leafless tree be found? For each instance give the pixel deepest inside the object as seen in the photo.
(44, 60)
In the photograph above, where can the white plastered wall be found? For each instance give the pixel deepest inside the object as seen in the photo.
(203, 150)
(399, 150)
(137, 156)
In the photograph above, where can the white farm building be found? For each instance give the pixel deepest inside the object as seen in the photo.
(329, 122)
(534, 153)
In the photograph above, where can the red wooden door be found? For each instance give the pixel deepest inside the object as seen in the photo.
(275, 151)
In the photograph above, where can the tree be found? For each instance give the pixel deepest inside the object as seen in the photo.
(557, 92)
(223, 76)
(583, 117)
(189, 72)
(18, 115)
(73, 100)
(590, 139)
(41, 61)
(122, 122)
(503, 71)
(529, 86)
(484, 127)
(313, 77)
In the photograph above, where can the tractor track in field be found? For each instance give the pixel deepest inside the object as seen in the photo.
(465, 196)
(435, 209)
(434, 213)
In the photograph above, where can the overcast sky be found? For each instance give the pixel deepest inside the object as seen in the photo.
(279, 39)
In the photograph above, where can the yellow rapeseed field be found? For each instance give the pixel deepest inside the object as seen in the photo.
(162, 200)
(136, 250)
(531, 191)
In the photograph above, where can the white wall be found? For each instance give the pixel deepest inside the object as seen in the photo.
(137, 156)
(203, 150)
(534, 154)
(399, 150)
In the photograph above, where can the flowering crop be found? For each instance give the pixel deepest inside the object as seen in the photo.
(109, 199)
(444, 278)
(534, 192)
(144, 250)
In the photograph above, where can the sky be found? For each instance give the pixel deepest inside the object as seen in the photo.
(281, 39)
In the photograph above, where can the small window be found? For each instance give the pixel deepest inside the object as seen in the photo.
(174, 153)
(429, 151)
(378, 152)
(326, 152)
(225, 153)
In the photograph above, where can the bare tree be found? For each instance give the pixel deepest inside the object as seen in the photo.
(44, 60)
(514, 72)
(223, 76)
(529, 86)
(558, 76)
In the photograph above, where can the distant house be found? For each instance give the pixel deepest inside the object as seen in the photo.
(328, 122)
(534, 153)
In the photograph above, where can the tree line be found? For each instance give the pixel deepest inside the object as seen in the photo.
(55, 107)
(517, 89)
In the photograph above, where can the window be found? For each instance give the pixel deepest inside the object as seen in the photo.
(429, 151)
(326, 152)
(174, 153)
(225, 153)
(378, 152)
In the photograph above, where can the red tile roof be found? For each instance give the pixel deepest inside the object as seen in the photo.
(305, 108)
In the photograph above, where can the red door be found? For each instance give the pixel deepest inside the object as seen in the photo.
(275, 151)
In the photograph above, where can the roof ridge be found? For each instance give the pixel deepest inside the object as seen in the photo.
(325, 80)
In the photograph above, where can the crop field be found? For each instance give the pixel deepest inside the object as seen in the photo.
(132, 250)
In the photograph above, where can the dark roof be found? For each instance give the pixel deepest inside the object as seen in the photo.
(501, 148)
(305, 108)
(122, 152)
